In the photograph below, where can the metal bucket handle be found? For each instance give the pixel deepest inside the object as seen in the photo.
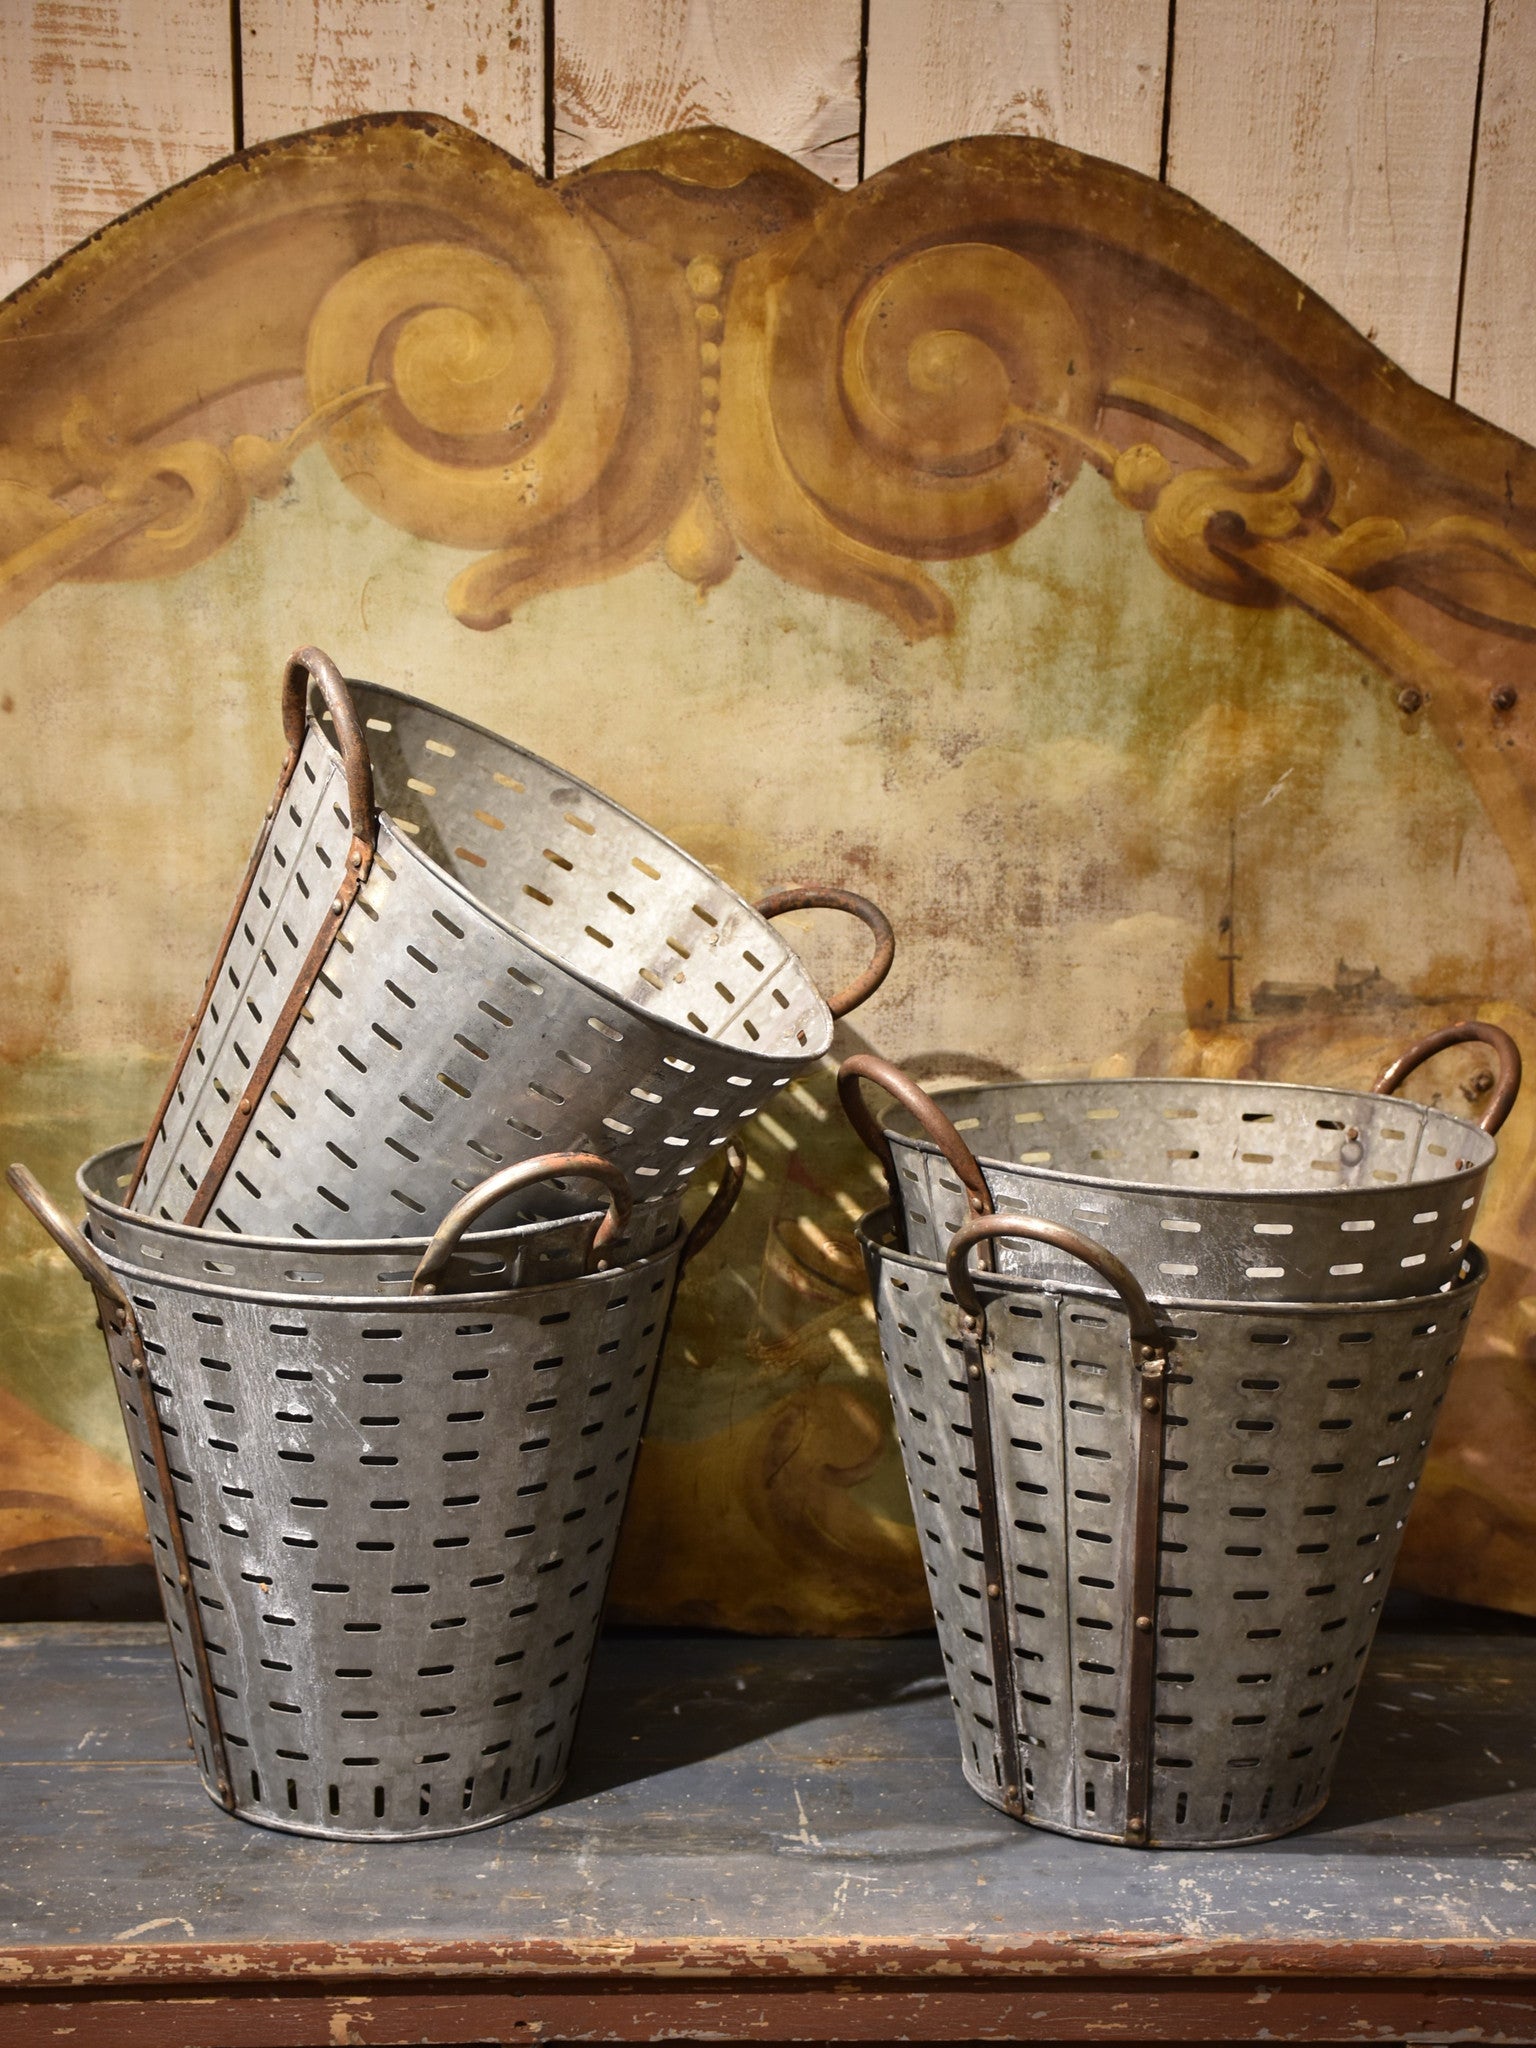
(113, 1304)
(1501, 1102)
(863, 986)
(82, 1255)
(1151, 1347)
(313, 665)
(868, 1066)
(511, 1179)
(577, 1166)
(1146, 1331)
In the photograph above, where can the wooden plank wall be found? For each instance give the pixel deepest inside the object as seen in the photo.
(1384, 149)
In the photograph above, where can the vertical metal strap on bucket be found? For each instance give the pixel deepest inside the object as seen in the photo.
(308, 665)
(118, 1319)
(994, 1565)
(1151, 1403)
(1150, 1351)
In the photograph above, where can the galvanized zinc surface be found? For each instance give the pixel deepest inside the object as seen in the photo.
(1292, 1445)
(778, 1806)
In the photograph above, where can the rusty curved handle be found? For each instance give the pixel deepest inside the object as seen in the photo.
(311, 665)
(1507, 1087)
(548, 1166)
(931, 1120)
(1145, 1328)
(87, 1260)
(720, 1204)
(863, 986)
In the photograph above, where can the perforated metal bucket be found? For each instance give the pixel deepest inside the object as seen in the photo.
(394, 1521)
(1214, 1190)
(517, 1246)
(498, 962)
(1157, 1541)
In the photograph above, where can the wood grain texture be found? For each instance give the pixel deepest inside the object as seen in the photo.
(733, 1857)
(1497, 369)
(362, 2013)
(1088, 73)
(481, 62)
(102, 103)
(1338, 136)
(783, 71)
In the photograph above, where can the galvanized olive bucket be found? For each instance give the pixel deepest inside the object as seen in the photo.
(1157, 1538)
(1208, 1190)
(449, 955)
(384, 1524)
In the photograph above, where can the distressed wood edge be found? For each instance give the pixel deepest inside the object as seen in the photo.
(889, 1961)
(1179, 2009)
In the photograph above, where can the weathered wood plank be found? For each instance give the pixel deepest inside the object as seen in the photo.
(784, 71)
(751, 1809)
(1090, 76)
(1338, 136)
(1496, 372)
(479, 61)
(103, 102)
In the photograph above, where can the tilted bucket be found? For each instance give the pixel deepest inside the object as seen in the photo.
(1157, 1540)
(394, 1516)
(448, 955)
(1208, 1190)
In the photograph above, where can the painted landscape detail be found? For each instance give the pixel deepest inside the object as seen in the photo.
(1005, 537)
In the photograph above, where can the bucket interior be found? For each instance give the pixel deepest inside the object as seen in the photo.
(1210, 1136)
(590, 885)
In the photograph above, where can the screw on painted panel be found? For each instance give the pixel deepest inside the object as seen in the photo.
(1410, 700)
(1470, 1029)
(1504, 698)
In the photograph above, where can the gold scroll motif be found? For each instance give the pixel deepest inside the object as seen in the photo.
(856, 397)
(155, 509)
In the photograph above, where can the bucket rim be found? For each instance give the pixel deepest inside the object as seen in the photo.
(876, 1227)
(392, 1304)
(473, 1241)
(1461, 1177)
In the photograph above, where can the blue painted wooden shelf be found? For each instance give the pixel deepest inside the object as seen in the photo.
(765, 1840)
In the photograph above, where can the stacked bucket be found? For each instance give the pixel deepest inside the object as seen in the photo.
(385, 1287)
(1165, 1357)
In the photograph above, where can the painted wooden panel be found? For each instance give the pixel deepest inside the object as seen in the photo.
(783, 71)
(1496, 373)
(1338, 136)
(102, 105)
(1004, 538)
(1089, 75)
(479, 61)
